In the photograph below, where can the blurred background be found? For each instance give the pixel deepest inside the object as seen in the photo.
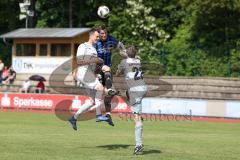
(174, 37)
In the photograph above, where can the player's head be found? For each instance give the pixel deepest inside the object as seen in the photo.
(103, 32)
(93, 35)
(131, 52)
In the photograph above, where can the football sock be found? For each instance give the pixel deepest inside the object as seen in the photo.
(138, 132)
(107, 103)
(108, 79)
(98, 103)
(98, 111)
(83, 108)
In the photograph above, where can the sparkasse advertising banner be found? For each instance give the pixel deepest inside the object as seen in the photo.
(51, 101)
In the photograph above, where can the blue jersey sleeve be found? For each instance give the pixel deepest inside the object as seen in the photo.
(104, 49)
(112, 42)
(100, 50)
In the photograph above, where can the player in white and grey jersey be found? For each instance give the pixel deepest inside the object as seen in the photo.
(86, 74)
(137, 89)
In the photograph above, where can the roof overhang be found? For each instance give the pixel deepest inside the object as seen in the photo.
(44, 33)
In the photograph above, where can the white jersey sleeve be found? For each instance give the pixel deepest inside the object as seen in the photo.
(81, 51)
(85, 73)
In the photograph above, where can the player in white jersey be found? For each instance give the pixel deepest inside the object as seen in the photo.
(137, 89)
(86, 74)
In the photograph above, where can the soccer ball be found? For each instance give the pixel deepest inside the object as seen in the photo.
(103, 11)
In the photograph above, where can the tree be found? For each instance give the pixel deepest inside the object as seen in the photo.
(216, 25)
(205, 43)
(130, 26)
(52, 13)
(9, 20)
(235, 60)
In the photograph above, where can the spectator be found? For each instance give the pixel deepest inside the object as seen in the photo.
(1, 70)
(25, 87)
(5, 73)
(40, 87)
(11, 77)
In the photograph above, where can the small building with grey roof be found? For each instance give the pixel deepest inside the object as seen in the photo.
(42, 50)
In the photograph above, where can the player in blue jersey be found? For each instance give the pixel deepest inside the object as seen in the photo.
(104, 46)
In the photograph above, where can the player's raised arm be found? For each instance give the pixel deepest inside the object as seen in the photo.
(122, 49)
(120, 69)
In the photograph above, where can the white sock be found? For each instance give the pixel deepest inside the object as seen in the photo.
(98, 102)
(98, 110)
(83, 108)
(138, 132)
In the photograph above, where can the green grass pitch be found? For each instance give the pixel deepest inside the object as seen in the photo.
(32, 136)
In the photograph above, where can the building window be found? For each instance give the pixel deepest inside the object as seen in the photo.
(25, 49)
(43, 50)
(61, 50)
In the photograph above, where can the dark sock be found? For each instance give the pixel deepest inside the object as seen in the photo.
(107, 102)
(108, 79)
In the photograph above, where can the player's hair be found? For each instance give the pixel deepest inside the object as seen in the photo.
(92, 31)
(102, 27)
(131, 51)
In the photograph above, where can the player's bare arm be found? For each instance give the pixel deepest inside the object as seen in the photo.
(86, 62)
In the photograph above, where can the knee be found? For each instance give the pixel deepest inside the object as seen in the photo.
(99, 87)
(106, 68)
(89, 102)
(98, 102)
(138, 123)
(138, 119)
